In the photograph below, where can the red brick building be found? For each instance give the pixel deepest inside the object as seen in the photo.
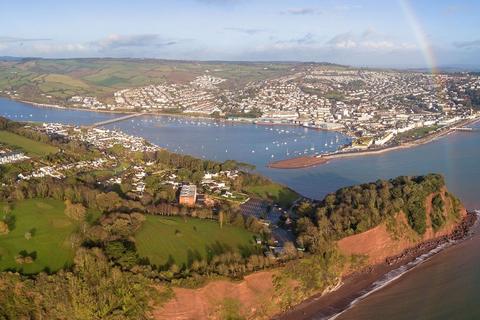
(188, 195)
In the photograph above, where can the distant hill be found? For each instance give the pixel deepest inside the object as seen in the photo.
(9, 58)
(60, 79)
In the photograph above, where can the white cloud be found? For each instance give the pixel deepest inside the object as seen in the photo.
(367, 40)
(347, 7)
(248, 31)
(116, 41)
(53, 48)
(301, 11)
(6, 39)
(467, 44)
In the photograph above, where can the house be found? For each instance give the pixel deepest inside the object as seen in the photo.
(9, 157)
(188, 195)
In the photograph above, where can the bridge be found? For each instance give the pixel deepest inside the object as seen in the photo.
(102, 123)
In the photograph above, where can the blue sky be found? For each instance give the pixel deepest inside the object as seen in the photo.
(397, 33)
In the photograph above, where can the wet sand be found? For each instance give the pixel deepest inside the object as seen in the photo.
(298, 163)
(357, 284)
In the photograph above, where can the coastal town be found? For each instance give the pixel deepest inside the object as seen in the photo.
(376, 107)
(115, 160)
(240, 160)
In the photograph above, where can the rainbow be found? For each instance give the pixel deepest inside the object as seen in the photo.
(425, 47)
(420, 36)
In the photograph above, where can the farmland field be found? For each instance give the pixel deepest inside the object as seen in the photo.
(49, 242)
(55, 81)
(173, 239)
(29, 146)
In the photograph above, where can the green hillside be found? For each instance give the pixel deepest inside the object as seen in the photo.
(176, 240)
(38, 228)
(54, 81)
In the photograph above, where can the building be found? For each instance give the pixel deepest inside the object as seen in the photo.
(384, 139)
(188, 195)
(9, 157)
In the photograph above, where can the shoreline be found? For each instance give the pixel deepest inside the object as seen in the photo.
(371, 274)
(253, 121)
(311, 161)
(358, 285)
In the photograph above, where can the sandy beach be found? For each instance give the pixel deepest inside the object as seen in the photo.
(298, 163)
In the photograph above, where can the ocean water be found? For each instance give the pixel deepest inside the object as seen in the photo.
(446, 286)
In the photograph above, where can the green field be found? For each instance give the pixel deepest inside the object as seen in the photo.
(50, 241)
(31, 147)
(274, 192)
(34, 79)
(417, 133)
(173, 239)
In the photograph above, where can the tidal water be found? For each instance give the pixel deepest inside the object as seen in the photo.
(220, 140)
(445, 287)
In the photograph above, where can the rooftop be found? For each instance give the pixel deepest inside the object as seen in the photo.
(189, 190)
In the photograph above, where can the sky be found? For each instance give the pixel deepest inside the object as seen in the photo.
(387, 33)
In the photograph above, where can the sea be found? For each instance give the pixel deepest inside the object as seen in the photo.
(445, 285)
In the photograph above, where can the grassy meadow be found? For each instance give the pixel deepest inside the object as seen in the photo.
(29, 146)
(274, 192)
(50, 230)
(178, 240)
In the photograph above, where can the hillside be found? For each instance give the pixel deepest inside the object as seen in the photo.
(395, 235)
(55, 81)
(353, 210)
(74, 227)
(355, 228)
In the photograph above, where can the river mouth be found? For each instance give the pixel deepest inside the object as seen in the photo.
(455, 156)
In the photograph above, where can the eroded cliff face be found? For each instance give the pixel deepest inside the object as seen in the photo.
(255, 297)
(394, 236)
(213, 301)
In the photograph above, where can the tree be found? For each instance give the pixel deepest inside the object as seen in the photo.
(220, 218)
(4, 228)
(75, 211)
(122, 253)
(108, 201)
(6, 209)
(289, 250)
